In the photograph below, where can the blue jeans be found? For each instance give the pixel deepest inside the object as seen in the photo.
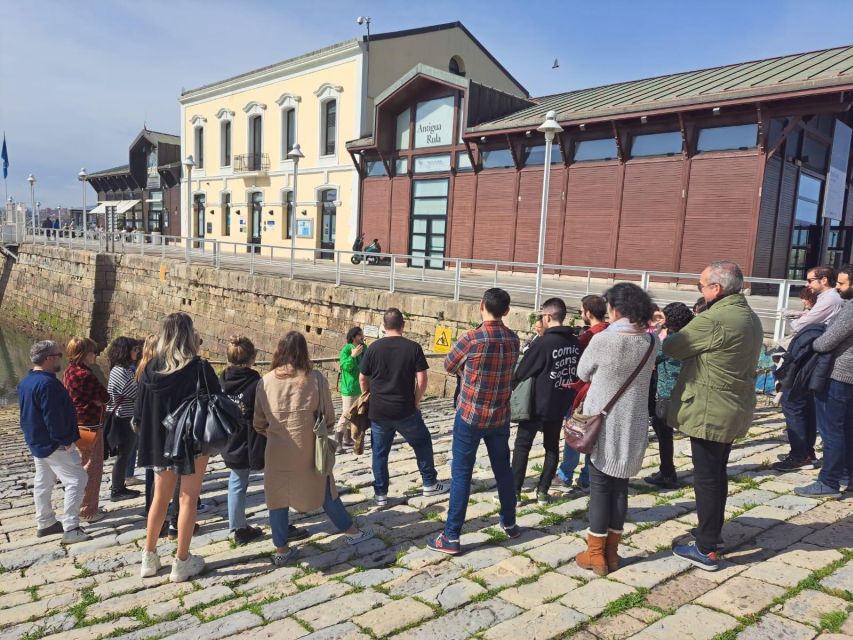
(238, 484)
(834, 409)
(335, 509)
(566, 471)
(416, 434)
(466, 441)
(802, 428)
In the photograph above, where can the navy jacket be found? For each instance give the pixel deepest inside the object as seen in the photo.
(48, 418)
(804, 370)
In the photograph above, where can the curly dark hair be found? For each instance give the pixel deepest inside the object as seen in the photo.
(631, 302)
(353, 333)
(677, 316)
(119, 351)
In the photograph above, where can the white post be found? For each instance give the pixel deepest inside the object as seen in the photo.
(188, 167)
(294, 154)
(457, 279)
(781, 306)
(550, 128)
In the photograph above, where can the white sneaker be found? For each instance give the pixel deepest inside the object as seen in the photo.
(150, 564)
(183, 570)
(75, 535)
(380, 500)
(436, 489)
(362, 536)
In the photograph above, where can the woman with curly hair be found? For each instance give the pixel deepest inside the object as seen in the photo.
(676, 317)
(607, 363)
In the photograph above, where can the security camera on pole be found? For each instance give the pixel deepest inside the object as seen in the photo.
(550, 128)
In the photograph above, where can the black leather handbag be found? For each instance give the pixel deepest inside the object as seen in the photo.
(202, 423)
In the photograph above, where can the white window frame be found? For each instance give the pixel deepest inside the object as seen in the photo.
(197, 123)
(251, 110)
(285, 230)
(326, 93)
(287, 102)
(224, 115)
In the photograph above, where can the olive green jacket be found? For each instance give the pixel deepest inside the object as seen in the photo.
(714, 398)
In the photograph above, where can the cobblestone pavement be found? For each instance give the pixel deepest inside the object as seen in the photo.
(788, 573)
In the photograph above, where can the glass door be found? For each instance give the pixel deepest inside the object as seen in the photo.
(805, 239)
(328, 222)
(199, 205)
(255, 229)
(429, 223)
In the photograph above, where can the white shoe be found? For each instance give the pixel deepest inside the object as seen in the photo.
(150, 564)
(362, 536)
(380, 500)
(437, 489)
(75, 535)
(183, 570)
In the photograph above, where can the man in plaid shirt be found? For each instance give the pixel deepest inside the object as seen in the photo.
(484, 359)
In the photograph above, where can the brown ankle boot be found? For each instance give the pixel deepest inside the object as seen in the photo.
(611, 549)
(593, 557)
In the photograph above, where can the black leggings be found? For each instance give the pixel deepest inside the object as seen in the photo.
(127, 443)
(608, 501)
(521, 451)
(664, 434)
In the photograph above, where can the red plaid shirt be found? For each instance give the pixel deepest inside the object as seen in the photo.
(86, 391)
(484, 358)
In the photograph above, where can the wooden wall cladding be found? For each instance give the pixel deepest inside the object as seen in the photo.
(375, 215)
(462, 219)
(400, 217)
(592, 207)
(495, 223)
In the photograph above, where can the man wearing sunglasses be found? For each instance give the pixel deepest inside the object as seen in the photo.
(49, 423)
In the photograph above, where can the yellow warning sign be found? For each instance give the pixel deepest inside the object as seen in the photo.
(163, 273)
(441, 342)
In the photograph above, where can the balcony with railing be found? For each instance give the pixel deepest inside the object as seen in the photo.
(251, 163)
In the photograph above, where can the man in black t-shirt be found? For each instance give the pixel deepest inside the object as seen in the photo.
(394, 370)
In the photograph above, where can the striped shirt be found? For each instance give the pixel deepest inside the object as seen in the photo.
(122, 387)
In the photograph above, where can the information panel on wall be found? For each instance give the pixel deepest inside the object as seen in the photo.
(434, 123)
(833, 200)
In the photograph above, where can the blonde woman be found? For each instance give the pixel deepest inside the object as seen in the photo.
(287, 401)
(89, 397)
(168, 379)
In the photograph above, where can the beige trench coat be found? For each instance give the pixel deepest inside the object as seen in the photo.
(285, 404)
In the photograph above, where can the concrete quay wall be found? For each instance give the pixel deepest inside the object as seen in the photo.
(63, 292)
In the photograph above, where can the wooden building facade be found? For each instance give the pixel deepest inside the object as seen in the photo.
(749, 162)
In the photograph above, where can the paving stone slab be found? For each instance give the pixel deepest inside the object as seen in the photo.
(810, 606)
(454, 595)
(679, 591)
(772, 626)
(304, 599)
(808, 556)
(343, 609)
(96, 630)
(428, 577)
(221, 628)
(741, 596)
(343, 631)
(547, 586)
(841, 579)
(393, 616)
(286, 628)
(465, 622)
(507, 572)
(593, 597)
(690, 622)
(163, 629)
(558, 552)
(540, 623)
(650, 571)
(778, 573)
(616, 627)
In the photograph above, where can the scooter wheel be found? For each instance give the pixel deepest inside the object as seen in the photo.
(355, 259)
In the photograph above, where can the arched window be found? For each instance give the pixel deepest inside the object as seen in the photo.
(456, 66)
(330, 127)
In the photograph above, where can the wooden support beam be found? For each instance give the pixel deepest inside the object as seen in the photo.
(619, 150)
(785, 133)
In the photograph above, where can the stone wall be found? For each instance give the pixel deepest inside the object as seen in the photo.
(65, 292)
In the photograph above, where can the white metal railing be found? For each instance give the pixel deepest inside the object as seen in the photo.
(448, 277)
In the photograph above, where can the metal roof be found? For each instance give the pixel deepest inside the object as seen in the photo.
(121, 169)
(786, 74)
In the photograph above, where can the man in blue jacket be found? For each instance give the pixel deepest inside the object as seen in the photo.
(49, 423)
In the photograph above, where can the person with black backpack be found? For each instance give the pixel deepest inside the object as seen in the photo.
(244, 452)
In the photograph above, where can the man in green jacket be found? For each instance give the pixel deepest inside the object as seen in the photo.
(350, 359)
(714, 398)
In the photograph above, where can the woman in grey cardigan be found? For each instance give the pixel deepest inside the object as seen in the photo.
(609, 360)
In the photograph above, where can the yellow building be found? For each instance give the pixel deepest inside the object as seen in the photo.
(240, 130)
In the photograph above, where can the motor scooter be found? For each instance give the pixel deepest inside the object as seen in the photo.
(364, 254)
(357, 246)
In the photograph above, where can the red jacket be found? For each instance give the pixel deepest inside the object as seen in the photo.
(87, 393)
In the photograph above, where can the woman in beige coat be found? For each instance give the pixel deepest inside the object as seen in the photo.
(287, 401)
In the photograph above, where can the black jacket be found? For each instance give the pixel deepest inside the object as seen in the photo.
(159, 395)
(804, 370)
(245, 449)
(553, 361)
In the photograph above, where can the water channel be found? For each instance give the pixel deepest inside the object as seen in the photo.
(15, 362)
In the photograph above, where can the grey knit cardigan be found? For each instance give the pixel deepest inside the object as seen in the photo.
(607, 362)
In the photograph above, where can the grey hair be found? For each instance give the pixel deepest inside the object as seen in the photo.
(41, 350)
(727, 274)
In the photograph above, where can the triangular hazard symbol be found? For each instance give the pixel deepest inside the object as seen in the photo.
(442, 340)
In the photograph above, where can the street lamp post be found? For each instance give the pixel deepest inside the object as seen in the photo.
(82, 177)
(32, 180)
(38, 212)
(550, 128)
(189, 163)
(296, 155)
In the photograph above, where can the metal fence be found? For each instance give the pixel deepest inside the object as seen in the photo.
(453, 278)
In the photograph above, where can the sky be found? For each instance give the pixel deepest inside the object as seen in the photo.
(79, 79)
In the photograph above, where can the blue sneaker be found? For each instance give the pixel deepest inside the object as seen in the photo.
(443, 544)
(690, 552)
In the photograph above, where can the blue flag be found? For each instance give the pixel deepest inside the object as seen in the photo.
(5, 157)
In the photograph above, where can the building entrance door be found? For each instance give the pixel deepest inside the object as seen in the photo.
(199, 205)
(255, 229)
(805, 239)
(429, 223)
(328, 222)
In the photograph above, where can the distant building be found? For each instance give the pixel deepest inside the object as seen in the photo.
(747, 162)
(145, 193)
(240, 130)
